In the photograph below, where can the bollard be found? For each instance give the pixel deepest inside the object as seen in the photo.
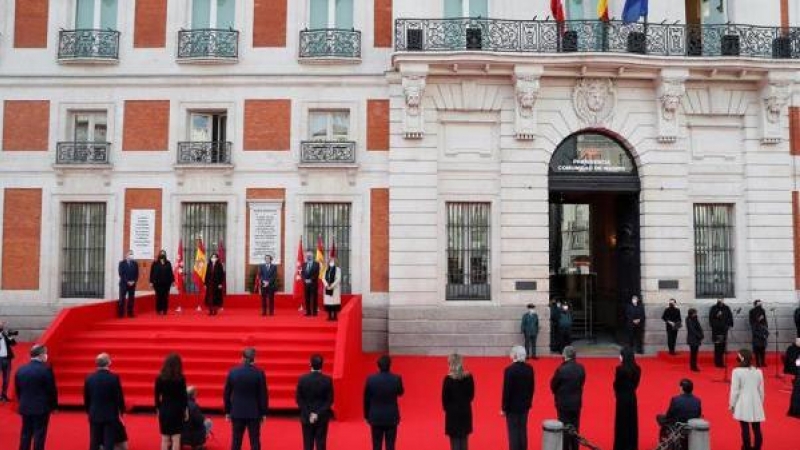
(699, 438)
(552, 435)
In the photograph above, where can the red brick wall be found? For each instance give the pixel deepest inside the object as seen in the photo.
(379, 240)
(268, 194)
(383, 24)
(150, 24)
(377, 124)
(269, 23)
(30, 23)
(794, 130)
(146, 125)
(22, 231)
(26, 125)
(267, 124)
(142, 199)
(796, 223)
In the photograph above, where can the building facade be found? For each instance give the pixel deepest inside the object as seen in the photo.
(465, 157)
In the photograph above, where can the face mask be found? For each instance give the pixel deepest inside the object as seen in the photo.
(620, 358)
(308, 259)
(331, 264)
(130, 257)
(213, 260)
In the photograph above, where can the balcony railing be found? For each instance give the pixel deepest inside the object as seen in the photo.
(543, 36)
(330, 43)
(98, 45)
(208, 44)
(204, 153)
(82, 152)
(327, 152)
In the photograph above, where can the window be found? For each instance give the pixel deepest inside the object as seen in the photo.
(331, 223)
(96, 14)
(213, 14)
(83, 250)
(466, 8)
(206, 221)
(713, 250)
(468, 250)
(330, 14)
(328, 126)
(208, 126)
(89, 126)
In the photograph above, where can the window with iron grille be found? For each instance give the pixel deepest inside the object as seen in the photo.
(83, 250)
(331, 222)
(468, 250)
(714, 270)
(206, 221)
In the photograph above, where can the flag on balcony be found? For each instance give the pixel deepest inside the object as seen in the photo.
(557, 9)
(320, 258)
(634, 9)
(602, 10)
(298, 292)
(199, 268)
(178, 271)
(332, 251)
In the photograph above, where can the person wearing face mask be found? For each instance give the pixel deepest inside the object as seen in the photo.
(128, 275)
(564, 327)
(6, 356)
(672, 319)
(215, 280)
(530, 330)
(626, 416)
(720, 318)
(567, 388)
(268, 276)
(161, 279)
(310, 275)
(332, 300)
(747, 399)
(634, 324)
(694, 338)
(37, 396)
(760, 333)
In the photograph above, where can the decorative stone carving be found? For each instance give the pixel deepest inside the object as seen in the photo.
(670, 92)
(594, 100)
(526, 90)
(775, 95)
(413, 82)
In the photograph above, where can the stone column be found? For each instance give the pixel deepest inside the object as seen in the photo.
(552, 435)
(699, 438)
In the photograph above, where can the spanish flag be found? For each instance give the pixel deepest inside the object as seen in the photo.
(602, 10)
(199, 268)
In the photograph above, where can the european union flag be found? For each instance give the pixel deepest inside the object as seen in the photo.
(634, 9)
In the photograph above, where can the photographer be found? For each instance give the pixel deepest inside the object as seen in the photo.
(6, 355)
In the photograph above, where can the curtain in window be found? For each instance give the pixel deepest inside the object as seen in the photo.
(318, 14)
(201, 14)
(714, 12)
(341, 122)
(226, 11)
(453, 8)
(344, 14)
(108, 14)
(478, 8)
(575, 9)
(84, 15)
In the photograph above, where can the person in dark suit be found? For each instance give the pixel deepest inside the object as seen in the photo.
(720, 318)
(196, 428)
(797, 320)
(161, 279)
(789, 358)
(314, 396)
(759, 330)
(104, 403)
(530, 330)
(246, 401)
(681, 409)
(215, 282)
(380, 404)
(626, 416)
(6, 356)
(268, 276)
(567, 388)
(694, 337)
(458, 391)
(634, 324)
(672, 320)
(310, 275)
(128, 275)
(555, 309)
(518, 387)
(37, 396)
(171, 401)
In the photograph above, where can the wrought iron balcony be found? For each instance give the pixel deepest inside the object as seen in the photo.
(330, 43)
(544, 36)
(82, 152)
(88, 45)
(208, 45)
(204, 153)
(327, 152)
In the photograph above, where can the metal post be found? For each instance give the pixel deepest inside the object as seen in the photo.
(699, 438)
(552, 435)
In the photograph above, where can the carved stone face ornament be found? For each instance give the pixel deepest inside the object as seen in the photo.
(594, 100)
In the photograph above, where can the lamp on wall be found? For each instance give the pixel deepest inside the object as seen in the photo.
(612, 241)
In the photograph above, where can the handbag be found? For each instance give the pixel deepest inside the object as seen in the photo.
(329, 292)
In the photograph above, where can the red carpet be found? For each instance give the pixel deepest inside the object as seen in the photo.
(422, 425)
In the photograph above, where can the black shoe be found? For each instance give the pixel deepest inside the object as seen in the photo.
(695, 369)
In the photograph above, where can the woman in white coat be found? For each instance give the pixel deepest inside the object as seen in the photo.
(747, 399)
(333, 289)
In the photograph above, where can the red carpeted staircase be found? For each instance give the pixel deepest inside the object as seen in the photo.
(209, 346)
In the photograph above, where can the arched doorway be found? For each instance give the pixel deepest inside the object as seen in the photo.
(594, 232)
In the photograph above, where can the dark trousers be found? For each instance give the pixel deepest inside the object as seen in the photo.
(693, 350)
(564, 338)
(162, 299)
(553, 336)
(570, 417)
(5, 367)
(635, 338)
(311, 299)
(267, 302)
(315, 436)
(530, 345)
(761, 355)
(102, 433)
(124, 307)
(34, 428)
(672, 337)
(253, 427)
(381, 434)
(758, 439)
(459, 443)
(720, 343)
(517, 424)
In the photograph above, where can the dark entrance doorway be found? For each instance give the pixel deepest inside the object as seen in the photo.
(594, 232)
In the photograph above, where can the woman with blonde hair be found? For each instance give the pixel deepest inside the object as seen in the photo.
(458, 391)
(747, 399)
